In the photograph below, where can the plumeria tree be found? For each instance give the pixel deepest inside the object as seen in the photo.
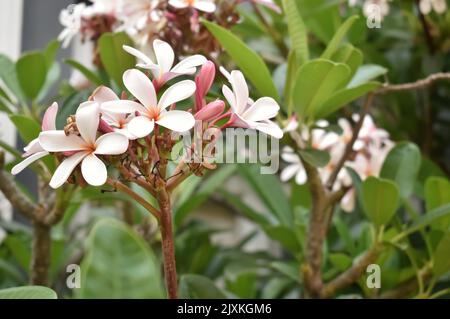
(362, 183)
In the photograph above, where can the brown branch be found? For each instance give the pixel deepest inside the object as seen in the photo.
(41, 254)
(349, 146)
(125, 189)
(420, 84)
(352, 274)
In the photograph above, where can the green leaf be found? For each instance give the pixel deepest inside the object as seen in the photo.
(316, 158)
(270, 191)
(322, 17)
(292, 67)
(441, 260)
(316, 81)
(251, 64)
(366, 73)
(11, 150)
(119, 264)
(437, 193)
(9, 76)
(115, 60)
(380, 199)
(430, 217)
(52, 77)
(28, 128)
(335, 42)
(199, 287)
(340, 261)
(343, 97)
(285, 236)
(350, 56)
(90, 75)
(402, 166)
(297, 30)
(31, 71)
(28, 292)
(50, 51)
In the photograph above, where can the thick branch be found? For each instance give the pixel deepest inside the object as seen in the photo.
(352, 274)
(41, 254)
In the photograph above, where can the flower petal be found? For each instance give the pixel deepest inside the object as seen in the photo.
(300, 178)
(179, 4)
(57, 141)
(141, 126)
(164, 55)
(138, 54)
(104, 94)
(205, 5)
(122, 107)
(187, 64)
(289, 172)
(141, 87)
(94, 170)
(87, 120)
(27, 161)
(269, 128)
(263, 109)
(111, 144)
(178, 121)
(66, 168)
(240, 90)
(49, 119)
(229, 95)
(32, 147)
(177, 92)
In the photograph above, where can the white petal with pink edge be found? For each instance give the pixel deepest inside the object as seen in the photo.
(94, 170)
(141, 126)
(177, 92)
(178, 121)
(123, 106)
(111, 144)
(164, 55)
(49, 119)
(263, 109)
(27, 161)
(66, 168)
(104, 94)
(57, 141)
(140, 86)
(87, 119)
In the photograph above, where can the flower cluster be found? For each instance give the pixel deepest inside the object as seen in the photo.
(175, 21)
(369, 151)
(107, 125)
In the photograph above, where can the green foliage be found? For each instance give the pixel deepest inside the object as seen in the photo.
(335, 42)
(119, 264)
(199, 287)
(437, 193)
(31, 71)
(90, 75)
(28, 128)
(297, 31)
(28, 292)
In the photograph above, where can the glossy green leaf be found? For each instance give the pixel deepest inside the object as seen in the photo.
(119, 264)
(350, 56)
(114, 59)
(316, 158)
(297, 30)
(441, 260)
(340, 261)
(52, 77)
(436, 215)
(380, 199)
(292, 67)
(402, 166)
(343, 97)
(366, 73)
(28, 128)
(285, 236)
(336, 41)
(9, 77)
(51, 50)
(437, 193)
(90, 75)
(315, 83)
(251, 64)
(28, 292)
(322, 17)
(199, 287)
(31, 71)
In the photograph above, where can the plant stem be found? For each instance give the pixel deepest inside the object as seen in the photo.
(41, 254)
(168, 247)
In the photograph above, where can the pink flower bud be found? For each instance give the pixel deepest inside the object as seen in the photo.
(105, 127)
(204, 81)
(49, 119)
(210, 111)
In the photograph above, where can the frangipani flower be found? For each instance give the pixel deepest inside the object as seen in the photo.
(295, 167)
(439, 6)
(163, 70)
(117, 121)
(34, 150)
(201, 5)
(149, 110)
(269, 4)
(249, 114)
(85, 147)
(71, 19)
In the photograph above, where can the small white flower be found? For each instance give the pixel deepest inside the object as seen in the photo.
(71, 18)
(149, 110)
(85, 147)
(439, 6)
(201, 5)
(380, 7)
(119, 122)
(163, 70)
(246, 112)
(295, 167)
(136, 15)
(34, 150)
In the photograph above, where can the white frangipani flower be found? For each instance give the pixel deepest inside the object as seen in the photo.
(246, 112)
(118, 121)
(439, 6)
(149, 110)
(85, 148)
(71, 19)
(163, 70)
(34, 150)
(294, 168)
(201, 5)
